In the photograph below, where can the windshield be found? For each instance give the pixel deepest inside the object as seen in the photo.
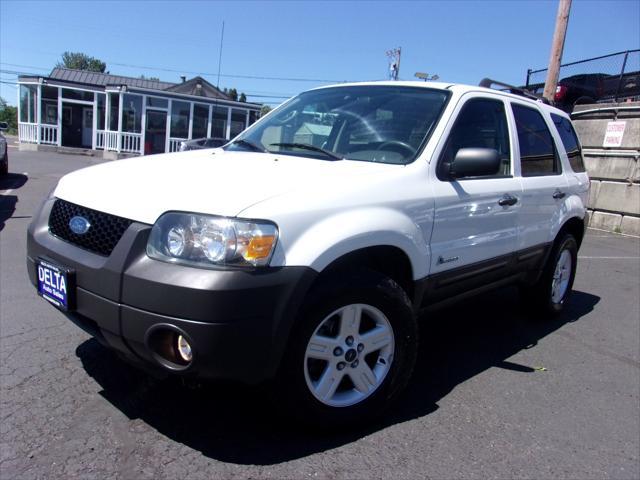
(375, 123)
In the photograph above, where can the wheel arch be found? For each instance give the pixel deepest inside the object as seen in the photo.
(575, 226)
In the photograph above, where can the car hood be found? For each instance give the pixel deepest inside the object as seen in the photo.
(204, 181)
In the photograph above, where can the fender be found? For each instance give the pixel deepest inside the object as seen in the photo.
(339, 234)
(572, 207)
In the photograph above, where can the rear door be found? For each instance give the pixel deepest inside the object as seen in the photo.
(544, 186)
(474, 229)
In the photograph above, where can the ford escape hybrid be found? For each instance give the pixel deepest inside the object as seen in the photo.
(301, 252)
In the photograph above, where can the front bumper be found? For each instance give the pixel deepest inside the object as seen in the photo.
(237, 321)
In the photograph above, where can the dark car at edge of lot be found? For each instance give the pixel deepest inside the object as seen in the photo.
(4, 151)
(596, 88)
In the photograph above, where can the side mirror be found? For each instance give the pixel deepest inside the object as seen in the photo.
(4, 125)
(475, 162)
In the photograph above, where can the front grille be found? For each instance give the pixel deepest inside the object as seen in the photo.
(102, 236)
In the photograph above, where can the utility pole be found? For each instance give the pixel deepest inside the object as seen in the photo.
(394, 62)
(562, 19)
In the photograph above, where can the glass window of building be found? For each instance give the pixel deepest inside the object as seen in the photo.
(155, 102)
(114, 100)
(49, 105)
(238, 121)
(200, 119)
(253, 116)
(28, 100)
(180, 119)
(131, 113)
(77, 95)
(219, 122)
(102, 98)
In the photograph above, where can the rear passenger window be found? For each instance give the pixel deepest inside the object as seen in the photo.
(481, 123)
(537, 150)
(570, 142)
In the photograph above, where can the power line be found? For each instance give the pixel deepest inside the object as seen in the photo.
(173, 70)
(16, 72)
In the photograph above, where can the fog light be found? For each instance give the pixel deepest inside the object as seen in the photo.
(184, 349)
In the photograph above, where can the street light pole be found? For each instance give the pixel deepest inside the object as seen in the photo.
(557, 46)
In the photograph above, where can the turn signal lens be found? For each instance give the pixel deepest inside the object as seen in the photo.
(260, 247)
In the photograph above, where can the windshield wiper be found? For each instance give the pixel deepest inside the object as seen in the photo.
(251, 145)
(308, 146)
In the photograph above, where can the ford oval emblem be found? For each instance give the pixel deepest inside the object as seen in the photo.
(79, 225)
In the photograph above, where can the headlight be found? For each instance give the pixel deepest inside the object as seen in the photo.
(206, 240)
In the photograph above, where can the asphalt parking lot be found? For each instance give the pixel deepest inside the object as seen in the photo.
(496, 393)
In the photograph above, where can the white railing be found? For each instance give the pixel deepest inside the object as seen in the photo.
(28, 132)
(111, 141)
(131, 142)
(100, 139)
(49, 134)
(174, 144)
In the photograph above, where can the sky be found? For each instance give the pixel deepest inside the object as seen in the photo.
(297, 45)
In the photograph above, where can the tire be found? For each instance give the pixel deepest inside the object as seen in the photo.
(553, 289)
(364, 378)
(584, 101)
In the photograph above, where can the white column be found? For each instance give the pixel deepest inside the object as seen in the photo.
(59, 116)
(18, 104)
(143, 126)
(120, 100)
(190, 134)
(209, 121)
(168, 135)
(246, 118)
(94, 132)
(228, 132)
(38, 112)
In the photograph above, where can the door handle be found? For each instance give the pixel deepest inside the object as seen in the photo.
(507, 200)
(559, 194)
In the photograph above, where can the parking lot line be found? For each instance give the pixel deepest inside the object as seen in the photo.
(608, 258)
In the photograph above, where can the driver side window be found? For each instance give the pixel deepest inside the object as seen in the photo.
(481, 123)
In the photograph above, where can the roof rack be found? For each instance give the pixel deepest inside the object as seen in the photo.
(488, 83)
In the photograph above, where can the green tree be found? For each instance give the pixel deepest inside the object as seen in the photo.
(264, 110)
(81, 61)
(242, 97)
(153, 79)
(9, 114)
(233, 94)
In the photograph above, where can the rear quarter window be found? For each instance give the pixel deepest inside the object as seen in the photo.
(570, 142)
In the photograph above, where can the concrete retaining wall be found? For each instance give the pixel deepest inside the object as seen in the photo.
(614, 200)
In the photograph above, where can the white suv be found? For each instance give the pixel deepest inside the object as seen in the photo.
(302, 252)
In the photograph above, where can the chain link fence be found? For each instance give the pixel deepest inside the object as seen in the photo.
(614, 77)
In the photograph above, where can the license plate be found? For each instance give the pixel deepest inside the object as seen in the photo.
(55, 284)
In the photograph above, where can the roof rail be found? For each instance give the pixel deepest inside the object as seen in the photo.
(488, 83)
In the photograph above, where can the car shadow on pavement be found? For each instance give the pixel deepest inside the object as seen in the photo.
(234, 423)
(11, 181)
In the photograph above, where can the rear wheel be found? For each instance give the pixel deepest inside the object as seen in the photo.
(551, 292)
(352, 352)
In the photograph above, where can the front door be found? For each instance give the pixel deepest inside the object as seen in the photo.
(155, 132)
(87, 127)
(474, 228)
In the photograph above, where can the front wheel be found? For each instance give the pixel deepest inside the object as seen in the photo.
(552, 291)
(351, 353)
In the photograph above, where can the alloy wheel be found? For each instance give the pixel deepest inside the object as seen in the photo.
(349, 355)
